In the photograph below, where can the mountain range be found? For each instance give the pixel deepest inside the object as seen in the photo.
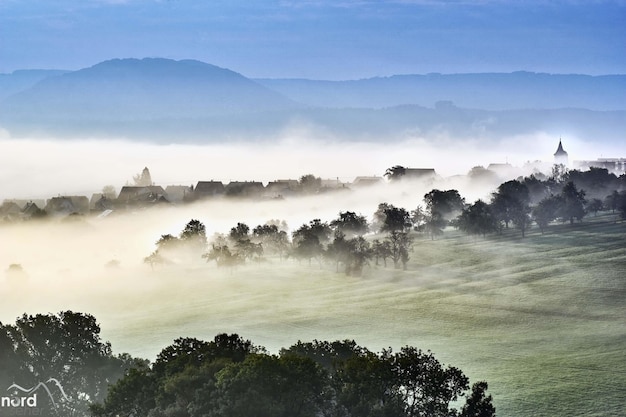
(180, 101)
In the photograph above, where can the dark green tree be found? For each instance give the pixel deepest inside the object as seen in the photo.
(510, 202)
(222, 256)
(477, 219)
(399, 246)
(265, 385)
(306, 242)
(395, 173)
(546, 211)
(427, 388)
(391, 218)
(447, 204)
(273, 240)
(573, 203)
(441, 207)
(67, 348)
(239, 232)
(350, 224)
(310, 184)
(194, 235)
(478, 404)
(594, 206)
(381, 250)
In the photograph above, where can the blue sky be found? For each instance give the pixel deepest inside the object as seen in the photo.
(321, 39)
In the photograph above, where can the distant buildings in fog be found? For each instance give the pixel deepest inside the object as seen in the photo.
(144, 193)
(616, 166)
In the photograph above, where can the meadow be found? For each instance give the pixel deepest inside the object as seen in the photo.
(541, 319)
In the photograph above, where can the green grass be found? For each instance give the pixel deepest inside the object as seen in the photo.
(541, 319)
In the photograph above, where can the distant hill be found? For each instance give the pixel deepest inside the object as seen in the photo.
(146, 89)
(493, 91)
(23, 79)
(168, 101)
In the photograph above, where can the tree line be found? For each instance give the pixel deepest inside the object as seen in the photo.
(350, 241)
(228, 376)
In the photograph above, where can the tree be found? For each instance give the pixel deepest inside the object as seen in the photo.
(108, 191)
(511, 200)
(359, 253)
(306, 241)
(594, 206)
(154, 258)
(143, 179)
(193, 236)
(399, 246)
(231, 377)
(366, 386)
(266, 385)
(320, 229)
(546, 211)
(239, 232)
(67, 347)
(441, 207)
(418, 218)
(477, 219)
(425, 386)
(274, 241)
(611, 201)
(447, 204)
(381, 250)
(391, 218)
(222, 256)
(350, 224)
(247, 249)
(310, 184)
(338, 249)
(477, 403)
(621, 204)
(395, 173)
(573, 203)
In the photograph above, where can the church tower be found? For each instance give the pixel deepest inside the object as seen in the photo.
(560, 156)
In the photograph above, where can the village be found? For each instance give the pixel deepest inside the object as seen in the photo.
(144, 193)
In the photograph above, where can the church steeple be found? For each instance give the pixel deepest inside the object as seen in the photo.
(560, 156)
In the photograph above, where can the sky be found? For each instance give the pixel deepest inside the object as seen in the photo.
(321, 39)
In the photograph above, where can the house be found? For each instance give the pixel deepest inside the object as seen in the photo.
(179, 193)
(281, 188)
(205, 189)
(100, 202)
(244, 189)
(419, 174)
(134, 195)
(367, 181)
(32, 210)
(615, 165)
(10, 211)
(503, 170)
(64, 205)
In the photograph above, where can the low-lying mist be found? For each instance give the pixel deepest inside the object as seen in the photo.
(43, 168)
(95, 265)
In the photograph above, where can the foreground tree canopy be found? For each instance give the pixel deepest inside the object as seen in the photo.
(232, 377)
(63, 351)
(228, 376)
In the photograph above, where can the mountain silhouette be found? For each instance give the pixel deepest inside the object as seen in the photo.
(167, 101)
(492, 91)
(141, 89)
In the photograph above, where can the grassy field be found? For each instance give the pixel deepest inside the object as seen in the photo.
(541, 319)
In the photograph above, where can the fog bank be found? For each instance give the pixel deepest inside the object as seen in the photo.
(38, 168)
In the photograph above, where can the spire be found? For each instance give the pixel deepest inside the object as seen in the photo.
(560, 156)
(560, 150)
